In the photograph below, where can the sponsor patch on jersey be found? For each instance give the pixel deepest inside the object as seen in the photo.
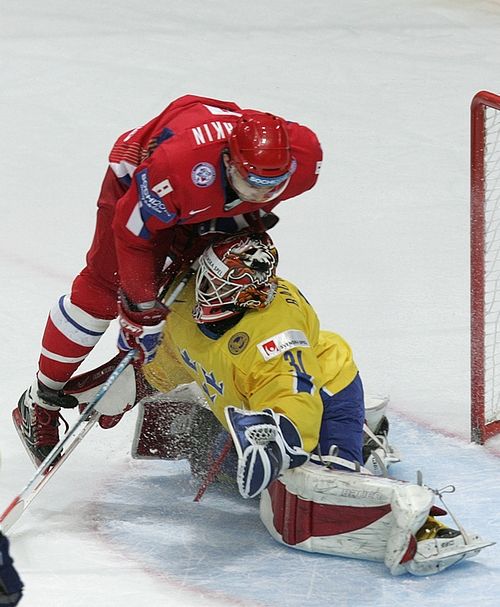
(152, 204)
(276, 345)
(203, 174)
(238, 343)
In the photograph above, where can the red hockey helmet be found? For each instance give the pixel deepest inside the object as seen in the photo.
(234, 275)
(261, 158)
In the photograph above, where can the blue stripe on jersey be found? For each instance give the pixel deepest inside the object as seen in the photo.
(211, 381)
(126, 180)
(165, 134)
(144, 233)
(80, 328)
(187, 359)
(303, 381)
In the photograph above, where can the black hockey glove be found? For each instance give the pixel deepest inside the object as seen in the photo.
(11, 587)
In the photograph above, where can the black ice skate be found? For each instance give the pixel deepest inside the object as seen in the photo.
(37, 420)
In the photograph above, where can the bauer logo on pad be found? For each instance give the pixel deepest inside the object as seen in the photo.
(276, 345)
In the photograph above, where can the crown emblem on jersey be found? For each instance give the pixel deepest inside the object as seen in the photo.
(238, 343)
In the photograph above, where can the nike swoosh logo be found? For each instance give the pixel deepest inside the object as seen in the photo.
(196, 211)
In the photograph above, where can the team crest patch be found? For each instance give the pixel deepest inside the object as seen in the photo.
(203, 174)
(276, 345)
(238, 343)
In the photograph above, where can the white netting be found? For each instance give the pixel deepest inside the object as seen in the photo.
(492, 264)
(261, 434)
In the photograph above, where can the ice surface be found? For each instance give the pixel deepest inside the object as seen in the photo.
(190, 540)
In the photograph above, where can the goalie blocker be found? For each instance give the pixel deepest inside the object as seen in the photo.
(351, 514)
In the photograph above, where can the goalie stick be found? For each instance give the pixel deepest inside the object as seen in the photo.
(214, 469)
(75, 434)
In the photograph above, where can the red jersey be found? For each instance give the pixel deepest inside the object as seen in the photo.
(173, 174)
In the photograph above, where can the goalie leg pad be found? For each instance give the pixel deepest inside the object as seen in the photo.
(410, 505)
(359, 516)
(176, 425)
(317, 509)
(378, 453)
(375, 410)
(120, 397)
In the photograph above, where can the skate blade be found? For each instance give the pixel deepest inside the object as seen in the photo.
(476, 545)
(430, 552)
(432, 558)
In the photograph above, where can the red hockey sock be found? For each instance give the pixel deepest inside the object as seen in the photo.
(70, 335)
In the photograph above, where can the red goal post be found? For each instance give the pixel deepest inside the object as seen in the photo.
(485, 266)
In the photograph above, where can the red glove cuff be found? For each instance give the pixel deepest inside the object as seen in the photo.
(146, 314)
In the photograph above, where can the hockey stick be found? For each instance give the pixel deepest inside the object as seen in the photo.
(214, 469)
(54, 459)
(46, 469)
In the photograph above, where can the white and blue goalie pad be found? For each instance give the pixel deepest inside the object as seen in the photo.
(267, 444)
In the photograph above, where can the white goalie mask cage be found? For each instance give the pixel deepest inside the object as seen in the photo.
(236, 274)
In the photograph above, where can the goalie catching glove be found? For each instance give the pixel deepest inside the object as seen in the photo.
(267, 444)
(141, 326)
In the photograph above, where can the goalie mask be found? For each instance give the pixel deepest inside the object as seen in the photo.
(234, 275)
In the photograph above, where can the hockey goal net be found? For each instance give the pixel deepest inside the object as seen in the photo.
(485, 266)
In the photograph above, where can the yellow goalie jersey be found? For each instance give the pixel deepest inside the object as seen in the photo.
(273, 358)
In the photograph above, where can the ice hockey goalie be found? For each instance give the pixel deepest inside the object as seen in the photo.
(314, 507)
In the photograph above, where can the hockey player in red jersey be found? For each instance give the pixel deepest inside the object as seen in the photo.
(200, 170)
